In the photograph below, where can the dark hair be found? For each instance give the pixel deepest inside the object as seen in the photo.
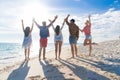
(27, 31)
(57, 29)
(72, 20)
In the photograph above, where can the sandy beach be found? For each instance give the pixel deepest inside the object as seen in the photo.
(104, 64)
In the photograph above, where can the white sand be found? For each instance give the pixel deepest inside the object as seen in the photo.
(104, 64)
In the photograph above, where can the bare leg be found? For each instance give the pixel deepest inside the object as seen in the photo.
(75, 49)
(25, 54)
(28, 53)
(85, 42)
(44, 52)
(72, 50)
(88, 42)
(56, 44)
(90, 47)
(40, 53)
(60, 45)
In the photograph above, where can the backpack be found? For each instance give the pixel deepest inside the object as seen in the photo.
(44, 32)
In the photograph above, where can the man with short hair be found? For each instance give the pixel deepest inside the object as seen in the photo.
(74, 35)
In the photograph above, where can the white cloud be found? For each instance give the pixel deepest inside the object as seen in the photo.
(105, 26)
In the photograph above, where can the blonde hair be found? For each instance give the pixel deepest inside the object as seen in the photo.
(87, 22)
(44, 23)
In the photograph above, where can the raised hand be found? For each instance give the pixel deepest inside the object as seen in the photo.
(33, 20)
(89, 16)
(68, 15)
(22, 24)
(56, 16)
(21, 20)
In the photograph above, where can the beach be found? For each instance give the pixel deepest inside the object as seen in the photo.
(103, 64)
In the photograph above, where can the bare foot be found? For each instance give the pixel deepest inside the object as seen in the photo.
(44, 58)
(28, 58)
(59, 57)
(56, 58)
(89, 54)
(72, 57)
(76, 55)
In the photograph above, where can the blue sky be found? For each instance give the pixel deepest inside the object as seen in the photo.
(105, 17)
(88, 6)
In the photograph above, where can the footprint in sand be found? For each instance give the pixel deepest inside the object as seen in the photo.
(34, 77)
(70, 74)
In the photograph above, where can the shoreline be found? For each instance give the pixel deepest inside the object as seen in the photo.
(18, 57)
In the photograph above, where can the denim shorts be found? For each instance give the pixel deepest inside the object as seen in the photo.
(88, 37)
(72, 40)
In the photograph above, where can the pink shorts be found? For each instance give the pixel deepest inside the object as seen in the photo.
(43, 42)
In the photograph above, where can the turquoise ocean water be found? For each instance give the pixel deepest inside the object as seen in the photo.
(13, 52)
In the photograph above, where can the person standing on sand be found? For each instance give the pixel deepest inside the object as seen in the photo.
(44, 33)
(74, 35)
(58, 39)
(27, 40)
(87, 32)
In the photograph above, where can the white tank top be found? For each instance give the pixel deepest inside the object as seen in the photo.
(58, 37)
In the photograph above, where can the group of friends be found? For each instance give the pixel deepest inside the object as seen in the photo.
(58, 37)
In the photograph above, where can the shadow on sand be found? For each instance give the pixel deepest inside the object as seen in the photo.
(20, 73)
(51, 72)
(113, 60)
(105, 67)
(83, 73)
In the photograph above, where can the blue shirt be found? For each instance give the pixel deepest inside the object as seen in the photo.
(44, 31)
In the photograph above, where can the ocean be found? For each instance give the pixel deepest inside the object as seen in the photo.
(13, 52)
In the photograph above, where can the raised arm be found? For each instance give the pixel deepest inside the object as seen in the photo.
(53, 21)
(52, 25)
(22, 25)
(89, 17)
(63, 24)
(32, 26)
(66, 19)
(36, 23)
